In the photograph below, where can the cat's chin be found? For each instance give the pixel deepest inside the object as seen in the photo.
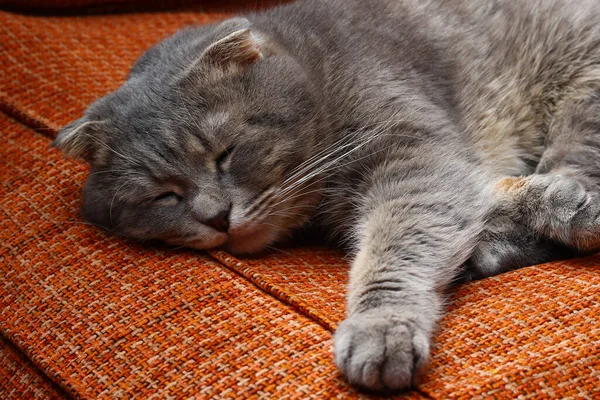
(236, 245)
(242, 247)
(202, 244)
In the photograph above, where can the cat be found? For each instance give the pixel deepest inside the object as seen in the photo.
(438, 141)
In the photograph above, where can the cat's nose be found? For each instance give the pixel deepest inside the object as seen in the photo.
(220, 221)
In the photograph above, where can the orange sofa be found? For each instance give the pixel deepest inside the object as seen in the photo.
(86, 314)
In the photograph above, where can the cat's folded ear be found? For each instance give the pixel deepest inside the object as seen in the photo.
(234, 52)
(238, 49)
(78, 139)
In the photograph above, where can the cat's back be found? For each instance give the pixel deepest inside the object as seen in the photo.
(504, 67)
(500, 68)
(518, 63)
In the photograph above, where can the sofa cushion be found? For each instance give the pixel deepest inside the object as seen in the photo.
(532, 331)
(53, 67)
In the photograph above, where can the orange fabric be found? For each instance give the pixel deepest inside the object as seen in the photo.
(532, 332)
(20, 379)
(53, 67)
(105, 317)
(312, 280)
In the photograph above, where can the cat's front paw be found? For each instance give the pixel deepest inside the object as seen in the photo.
(380, 352)
(566, 210)
(562, 197)
(563, 207)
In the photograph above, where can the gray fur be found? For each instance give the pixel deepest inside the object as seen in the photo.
(437, 140)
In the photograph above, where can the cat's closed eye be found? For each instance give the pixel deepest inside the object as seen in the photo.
(223, 157)
(167, 199)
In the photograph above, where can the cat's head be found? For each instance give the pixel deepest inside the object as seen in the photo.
(203, 146)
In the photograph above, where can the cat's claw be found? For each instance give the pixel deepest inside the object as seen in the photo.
(380, 352)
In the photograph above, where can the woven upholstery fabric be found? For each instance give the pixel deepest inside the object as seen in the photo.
(530, 333)
(20, 379)
(54, 67)
(105, 317)
(311, 279)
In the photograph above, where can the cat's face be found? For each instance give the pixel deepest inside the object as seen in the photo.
(203, 145)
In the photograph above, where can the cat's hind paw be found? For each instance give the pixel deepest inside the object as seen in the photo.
(380, 352)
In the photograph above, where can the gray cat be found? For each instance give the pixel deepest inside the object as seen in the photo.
(438, 140)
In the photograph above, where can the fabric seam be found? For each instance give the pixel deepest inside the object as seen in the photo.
(280, 293)
(25, 118)
(73, 391)
(59, 389)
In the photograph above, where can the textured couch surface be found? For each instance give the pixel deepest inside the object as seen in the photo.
(86, 314)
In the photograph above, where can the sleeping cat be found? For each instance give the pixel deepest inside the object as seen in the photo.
(438, 141)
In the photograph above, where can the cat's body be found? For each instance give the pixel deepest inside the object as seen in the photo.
(397, 125)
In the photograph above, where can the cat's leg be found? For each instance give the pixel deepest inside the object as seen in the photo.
(419, 224)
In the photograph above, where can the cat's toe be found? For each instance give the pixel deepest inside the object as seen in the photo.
(379, 352)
